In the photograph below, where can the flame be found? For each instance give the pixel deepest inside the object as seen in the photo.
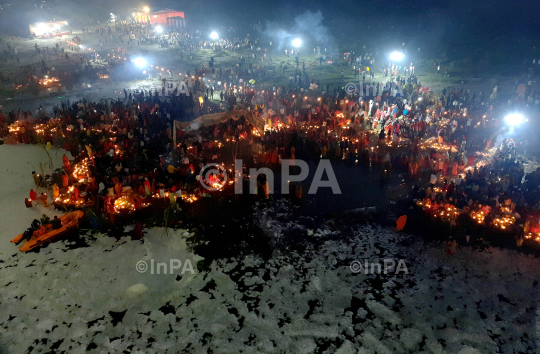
(47, 80)
(80, 170)
(123, 203)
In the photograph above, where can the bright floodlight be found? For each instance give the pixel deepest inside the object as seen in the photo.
(514, 119)
(146, 9)
(297, 42)
(140, 62)
(214, 35)
(159, 29)
(396, 56)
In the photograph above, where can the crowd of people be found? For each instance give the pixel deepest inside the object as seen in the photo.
(454, 159)
(451, 145)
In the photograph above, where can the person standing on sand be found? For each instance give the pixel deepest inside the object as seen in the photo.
(453, 247)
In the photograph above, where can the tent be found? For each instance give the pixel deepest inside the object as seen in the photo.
(221, 117)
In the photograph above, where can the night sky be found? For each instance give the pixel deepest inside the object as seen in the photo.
(455, 27)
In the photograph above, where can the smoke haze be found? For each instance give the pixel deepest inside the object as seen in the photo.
(307, 26)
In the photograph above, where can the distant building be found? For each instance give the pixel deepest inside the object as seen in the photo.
(166, 17)
(176, 22)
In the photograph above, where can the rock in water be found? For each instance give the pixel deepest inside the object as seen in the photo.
(136, 290)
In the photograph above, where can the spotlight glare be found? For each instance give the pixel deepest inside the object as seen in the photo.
(140, 62)
(297, 42)
(514, 119)
(159, 29)
(214, 35)
(396, 56)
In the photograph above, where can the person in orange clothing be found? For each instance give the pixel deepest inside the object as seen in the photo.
(75, 195)
(455, 168)
(141, 189)
(66, 163)
(137, 202)
(118, 187)
(43, 199)
(274, 159)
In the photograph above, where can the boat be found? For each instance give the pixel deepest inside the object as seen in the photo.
(46, 233)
